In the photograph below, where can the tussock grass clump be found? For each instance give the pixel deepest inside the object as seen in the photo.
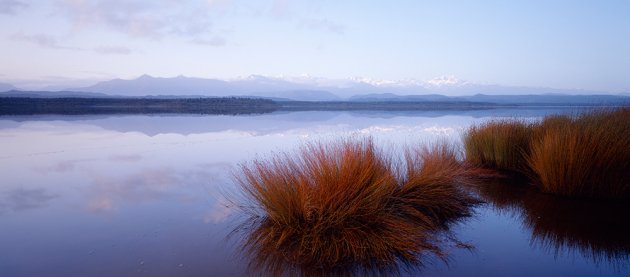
(430, 191)
(588, 156)
(501, 145)
(551, 122)
(347, 206)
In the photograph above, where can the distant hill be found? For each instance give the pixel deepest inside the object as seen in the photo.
(305, 88)
(398, 98)
(315, 89)
(185, 86)
(525, 99)
(52, 94)
(6, 87)
(147, 85)
(550, 99)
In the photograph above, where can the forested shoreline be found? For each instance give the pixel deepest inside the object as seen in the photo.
(76, 106)
(234, 105)
(226, 105)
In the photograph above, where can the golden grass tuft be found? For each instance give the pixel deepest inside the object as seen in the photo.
(588, 156)
(347, 206)
(500, 144)
(430, 191)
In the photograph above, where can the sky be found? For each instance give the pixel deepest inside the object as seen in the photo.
(550, 43)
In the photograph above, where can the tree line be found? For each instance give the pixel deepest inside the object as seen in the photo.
(75, 106)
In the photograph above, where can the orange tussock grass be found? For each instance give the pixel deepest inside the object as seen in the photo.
(550, 122)
(589, 156)
(345, 206)
(430, 190)
(501, 145)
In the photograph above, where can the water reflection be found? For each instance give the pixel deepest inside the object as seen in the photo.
(269, 123)
(21, 199)
(220, 211)
(595, 230)
(266, 259)
(140, 195)
(125, 158)
(109, 192)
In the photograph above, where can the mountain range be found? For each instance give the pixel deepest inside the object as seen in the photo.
(6, 87)
(307, 88)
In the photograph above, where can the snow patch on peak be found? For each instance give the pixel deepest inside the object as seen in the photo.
(374, 82)
(442, 82)
(304, 79)
(445, 81)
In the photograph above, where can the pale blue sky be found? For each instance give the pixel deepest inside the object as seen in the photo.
(551, 43)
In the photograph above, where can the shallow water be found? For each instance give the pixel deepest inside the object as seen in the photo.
(145, 195)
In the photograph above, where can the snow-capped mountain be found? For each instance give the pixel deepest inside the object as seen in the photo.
(445, 81)
(261, 86)
(309, 88)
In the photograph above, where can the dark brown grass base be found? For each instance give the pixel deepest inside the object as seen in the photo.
(346, 207)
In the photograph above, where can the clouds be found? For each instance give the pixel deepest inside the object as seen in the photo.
(214, 41)
(192, 20)
(140, 18)
(109, 27)
(50, 42)
(11, 6)
(113, 50)
(42, 40)
(322, 24)
(336, 39)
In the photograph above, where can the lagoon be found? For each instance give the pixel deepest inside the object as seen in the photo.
(145, 195)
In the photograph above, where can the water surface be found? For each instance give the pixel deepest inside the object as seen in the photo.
(145, 196)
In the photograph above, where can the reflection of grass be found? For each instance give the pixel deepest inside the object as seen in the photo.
(587, 155)
(345, 205)
(596, 230)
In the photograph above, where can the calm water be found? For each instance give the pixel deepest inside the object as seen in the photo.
(144, 196)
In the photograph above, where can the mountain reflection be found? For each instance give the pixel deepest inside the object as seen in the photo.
(596, 230)
(276, 122)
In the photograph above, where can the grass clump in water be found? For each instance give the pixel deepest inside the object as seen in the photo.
(501, 144)
(347, 206)
(588, 156)
(430, 191)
